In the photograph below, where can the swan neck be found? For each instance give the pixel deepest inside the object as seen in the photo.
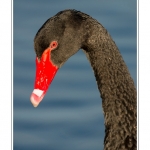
(118, 95)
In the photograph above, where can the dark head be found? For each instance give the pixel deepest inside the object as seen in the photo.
(66, 28)
(58, 39)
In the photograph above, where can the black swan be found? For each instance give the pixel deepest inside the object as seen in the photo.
(62, 36)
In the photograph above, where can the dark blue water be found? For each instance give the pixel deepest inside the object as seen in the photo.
(70, 117)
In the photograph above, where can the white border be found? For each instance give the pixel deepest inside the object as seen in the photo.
(5, 75)
(144, 74)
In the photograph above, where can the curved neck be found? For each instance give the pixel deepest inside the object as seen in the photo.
(118, 94)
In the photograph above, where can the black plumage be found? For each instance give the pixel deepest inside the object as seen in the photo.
(74, 30)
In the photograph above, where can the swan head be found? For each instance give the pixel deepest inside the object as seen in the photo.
(56, 41)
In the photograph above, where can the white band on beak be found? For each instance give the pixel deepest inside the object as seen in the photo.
(38, 92)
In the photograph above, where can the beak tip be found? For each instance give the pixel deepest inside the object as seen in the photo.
(33, 101)
(36, 97)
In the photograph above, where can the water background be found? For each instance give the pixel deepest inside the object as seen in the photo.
(70, 117)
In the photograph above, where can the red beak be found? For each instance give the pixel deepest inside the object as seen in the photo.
(45, 72)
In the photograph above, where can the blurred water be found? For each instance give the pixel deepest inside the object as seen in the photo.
(70, 116)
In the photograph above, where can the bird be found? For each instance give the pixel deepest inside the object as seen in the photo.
(63, 35)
